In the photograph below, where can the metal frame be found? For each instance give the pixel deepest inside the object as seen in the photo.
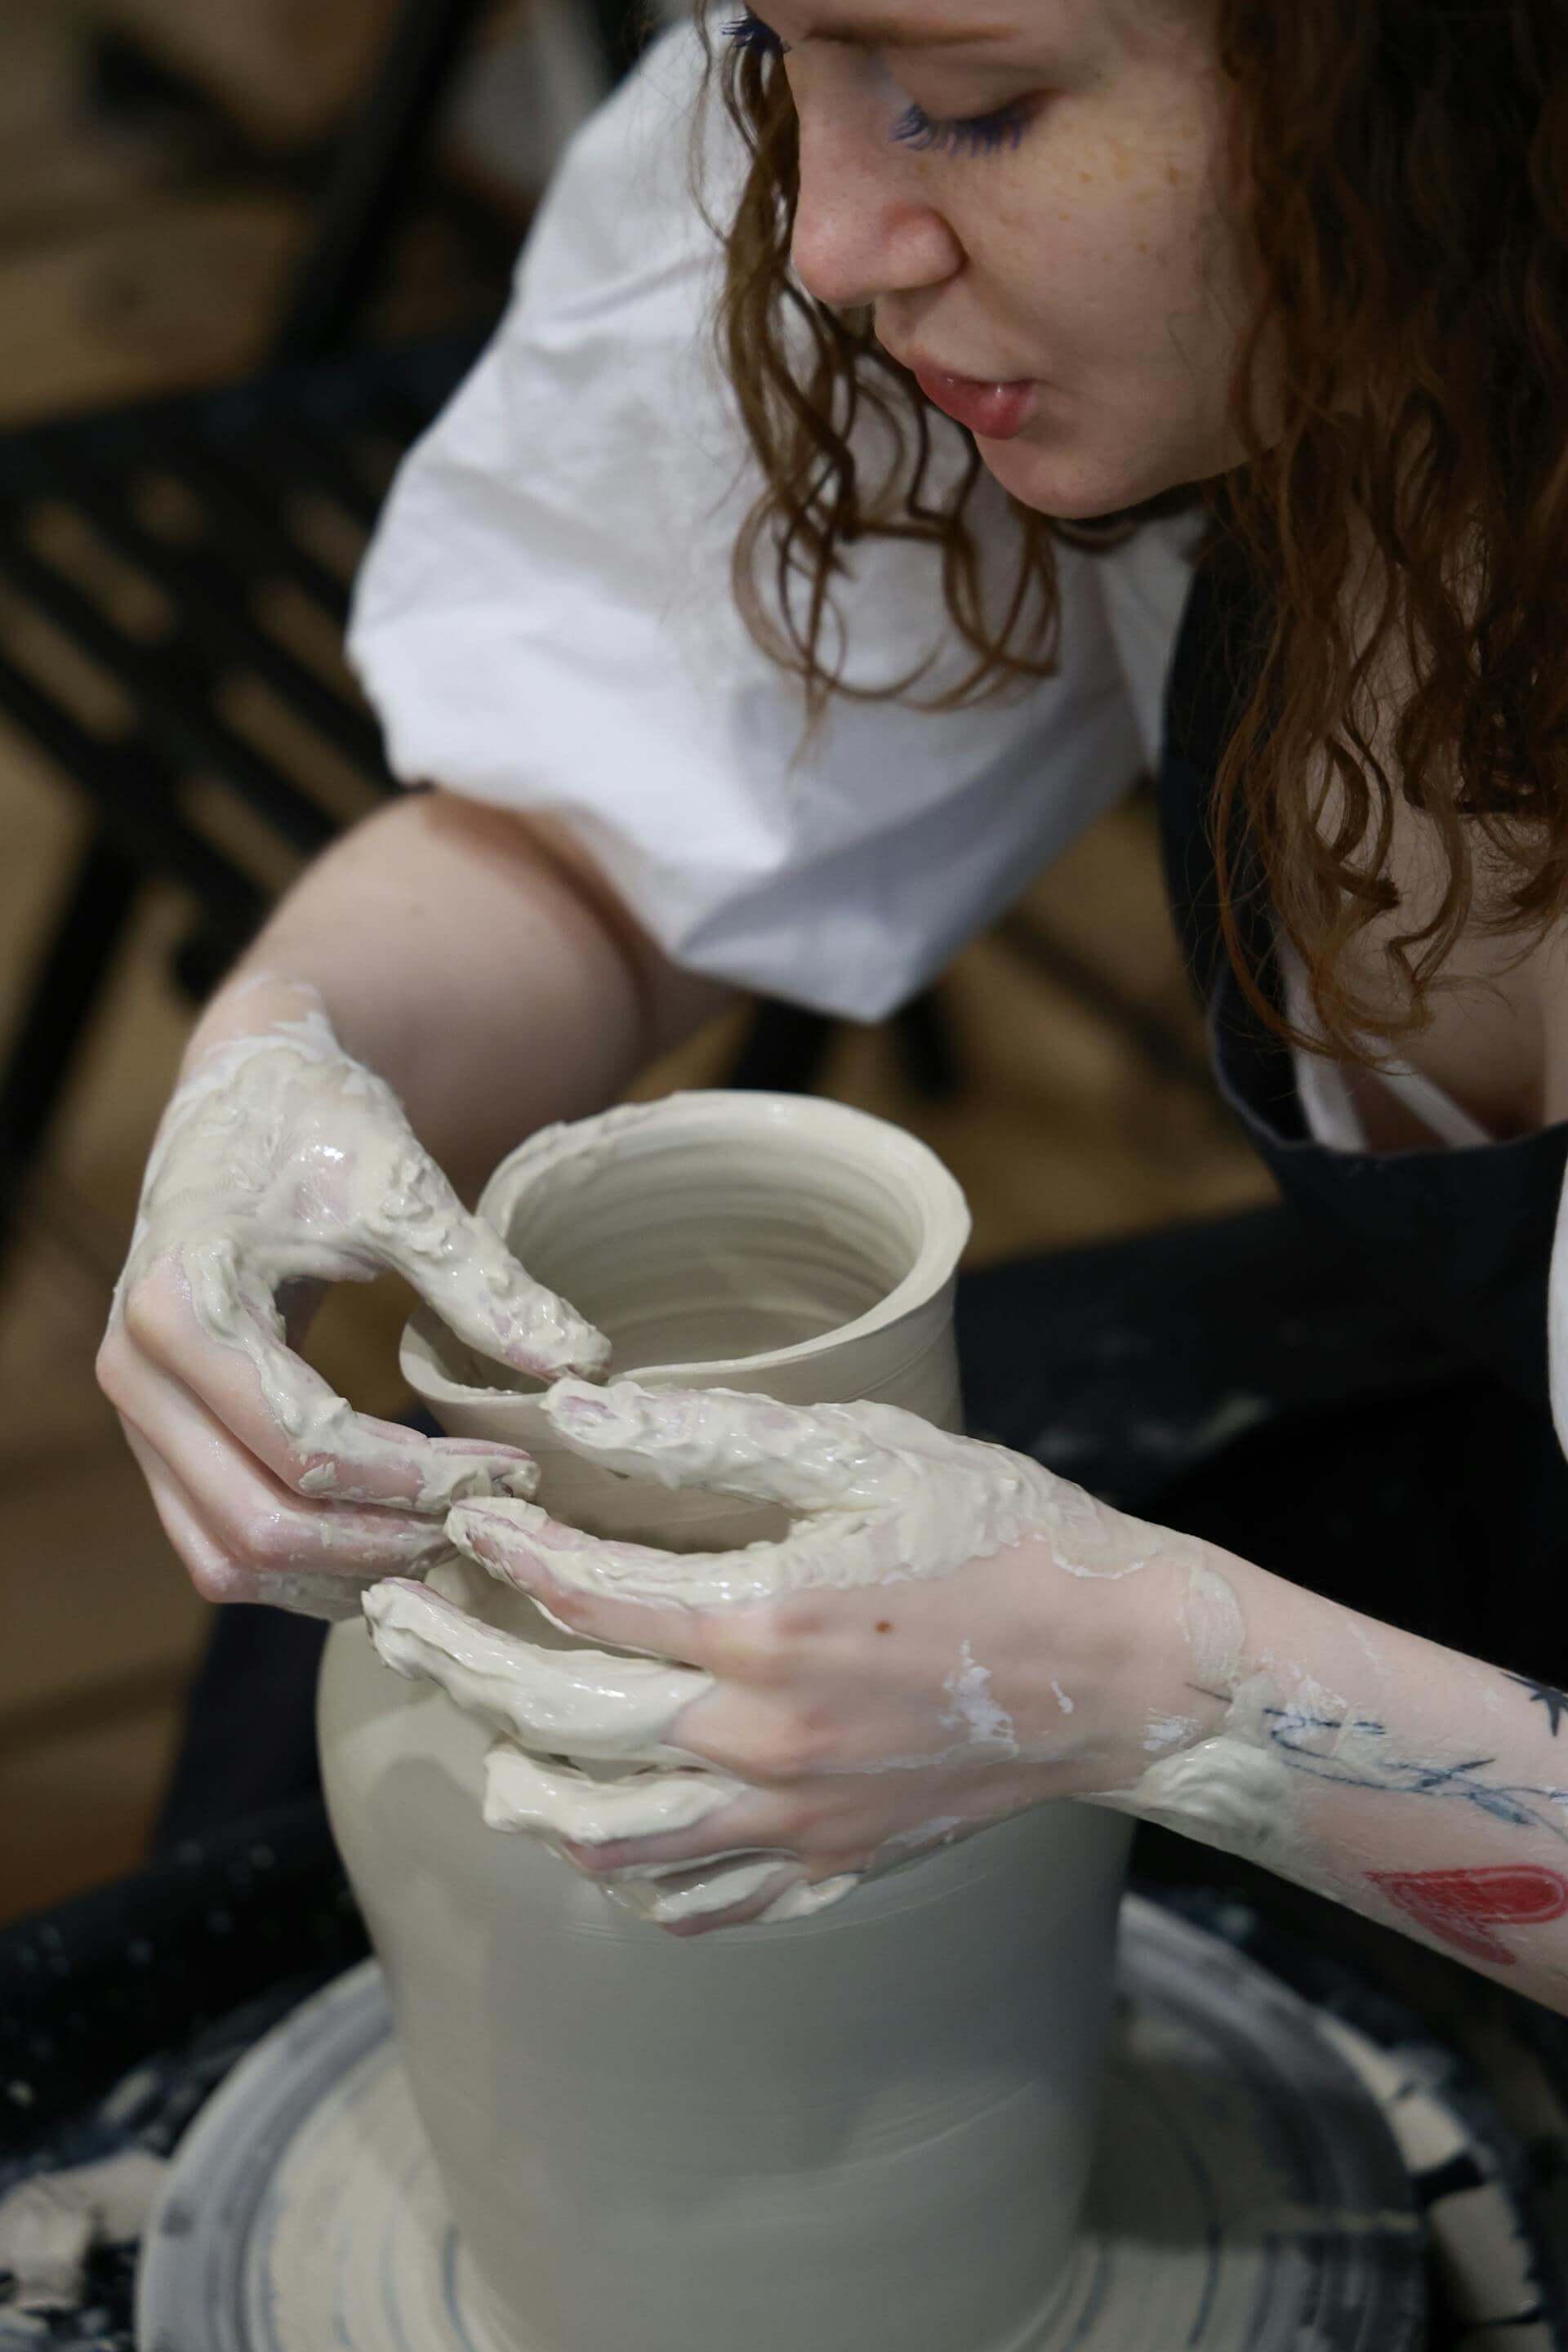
(241, 452)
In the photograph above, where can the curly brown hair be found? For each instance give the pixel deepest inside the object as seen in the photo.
(1405, 164)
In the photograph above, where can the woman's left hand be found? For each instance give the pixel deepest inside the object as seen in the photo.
(947, 1634)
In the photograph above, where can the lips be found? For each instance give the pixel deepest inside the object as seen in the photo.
(994, 411)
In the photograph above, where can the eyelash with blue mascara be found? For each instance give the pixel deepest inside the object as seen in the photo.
(967, 134)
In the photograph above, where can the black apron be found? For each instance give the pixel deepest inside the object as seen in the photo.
(1454, 1244)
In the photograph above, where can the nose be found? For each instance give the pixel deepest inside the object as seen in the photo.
(865, 228)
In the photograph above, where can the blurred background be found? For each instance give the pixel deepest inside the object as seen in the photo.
(246, 249)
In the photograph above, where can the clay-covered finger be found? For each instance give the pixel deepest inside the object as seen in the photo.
(574, 1703)
(462, 1268)
(587, 1586)
(217, 1571)
(732, 1890)
(762, 1892)
(222, 1339)
(606, 1589)
(803, 1458)
(258, 1521)
(572, 1807)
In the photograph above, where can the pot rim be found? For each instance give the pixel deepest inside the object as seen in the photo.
(924, 1180)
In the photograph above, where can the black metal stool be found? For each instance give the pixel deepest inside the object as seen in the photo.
(210, 505)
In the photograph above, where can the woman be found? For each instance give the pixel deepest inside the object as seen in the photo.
(1255, 317)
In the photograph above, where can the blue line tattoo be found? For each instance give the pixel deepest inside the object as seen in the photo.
(1308, 1745)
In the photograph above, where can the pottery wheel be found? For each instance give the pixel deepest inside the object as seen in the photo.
(1248, 2196)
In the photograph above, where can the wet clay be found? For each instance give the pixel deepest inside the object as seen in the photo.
(863, 2128)
(281, 1163)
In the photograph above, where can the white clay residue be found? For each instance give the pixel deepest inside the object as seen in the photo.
(333, 1597)
(1231, 1789)
(1214, 1629)
(1236, 1789)
(905, 1845)
(50, 2225)
(281, 1159)
(577, 1702)
(809, 1896)
(881, 1498)
(560, 1803)
(1166, 1731)
(975, 1708)
(703, 1893)
(878, 1496)
(1225, 1791)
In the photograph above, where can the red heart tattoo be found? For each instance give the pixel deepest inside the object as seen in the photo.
(1460, 1906)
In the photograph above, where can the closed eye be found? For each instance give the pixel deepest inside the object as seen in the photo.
(963, 133)
(949, 133)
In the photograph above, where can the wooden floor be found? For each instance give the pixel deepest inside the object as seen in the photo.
(121, 271)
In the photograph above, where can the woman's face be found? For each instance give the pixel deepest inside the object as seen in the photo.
(1088, 248)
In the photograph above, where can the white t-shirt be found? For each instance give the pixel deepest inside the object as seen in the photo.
(545, 621)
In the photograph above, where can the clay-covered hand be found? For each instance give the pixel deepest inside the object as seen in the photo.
(946, 1633)
(282, 1165)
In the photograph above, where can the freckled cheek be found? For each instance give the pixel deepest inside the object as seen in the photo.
(1082, 222)
(1080, 278)
(1072, 253)
(1031, 252)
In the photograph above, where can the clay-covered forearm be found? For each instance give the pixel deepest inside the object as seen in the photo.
(476, 961)
(1425, 1789)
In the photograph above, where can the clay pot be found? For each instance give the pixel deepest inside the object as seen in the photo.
(864, 2132)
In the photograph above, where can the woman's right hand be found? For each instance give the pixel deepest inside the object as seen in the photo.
(282, 1165)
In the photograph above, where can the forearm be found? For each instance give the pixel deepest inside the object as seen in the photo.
(477, 961)
(1419, 1787)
